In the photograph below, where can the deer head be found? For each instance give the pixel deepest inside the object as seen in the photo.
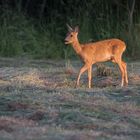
(72, 35)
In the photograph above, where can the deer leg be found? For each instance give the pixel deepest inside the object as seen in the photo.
(82, 70)
(89, 76)
(122, 73)
(124, 65)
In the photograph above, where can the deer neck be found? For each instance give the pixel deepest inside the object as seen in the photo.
(77, 47)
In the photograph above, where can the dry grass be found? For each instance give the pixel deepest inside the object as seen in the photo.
(38, 101)
(103, 70)
(30, 78)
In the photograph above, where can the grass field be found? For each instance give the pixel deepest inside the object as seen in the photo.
(38, 101)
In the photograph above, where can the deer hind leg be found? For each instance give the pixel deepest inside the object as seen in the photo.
(124, 65)
(89, 76)
(121, 67)
(119, 62)
(122, 73)
(82, 70)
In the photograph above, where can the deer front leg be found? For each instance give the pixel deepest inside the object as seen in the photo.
(89, 76)
(82, 70)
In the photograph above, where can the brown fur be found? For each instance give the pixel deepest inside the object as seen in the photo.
(101, 51)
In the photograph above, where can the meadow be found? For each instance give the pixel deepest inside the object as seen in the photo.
(38, 101)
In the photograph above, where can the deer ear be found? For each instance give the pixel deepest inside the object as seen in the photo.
(69, 28)
(76, 29)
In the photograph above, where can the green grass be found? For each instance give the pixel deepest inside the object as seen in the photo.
(37, 102)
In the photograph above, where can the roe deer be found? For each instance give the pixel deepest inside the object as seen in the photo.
(101, 51)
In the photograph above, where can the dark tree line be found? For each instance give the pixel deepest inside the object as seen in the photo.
(46, 8)
(98, 19)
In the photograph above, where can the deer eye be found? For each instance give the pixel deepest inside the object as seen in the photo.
(71, 35)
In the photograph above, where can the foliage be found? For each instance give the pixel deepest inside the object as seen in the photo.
(19, 35)
(37, 28)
